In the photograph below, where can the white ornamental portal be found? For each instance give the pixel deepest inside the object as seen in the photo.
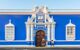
(40, 19)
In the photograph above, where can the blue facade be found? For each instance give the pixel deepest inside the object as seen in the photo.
(20, 28)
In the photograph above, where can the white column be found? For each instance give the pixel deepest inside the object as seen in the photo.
(48, 35)
(32, 37)
(27, 32)
(48, 32)
(32, 32)
(53, 32)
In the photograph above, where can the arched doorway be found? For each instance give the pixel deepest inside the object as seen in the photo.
(40, 39)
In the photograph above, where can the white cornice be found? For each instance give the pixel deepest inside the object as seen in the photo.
(29, 11)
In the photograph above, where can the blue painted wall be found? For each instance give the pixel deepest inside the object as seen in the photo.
(61, 21)
(19, 22)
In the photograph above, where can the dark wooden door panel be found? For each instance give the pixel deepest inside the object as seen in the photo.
(40, 35)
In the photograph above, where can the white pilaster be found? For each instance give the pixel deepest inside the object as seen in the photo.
(32, 32)
(27, 32)
(48, 32)
(53, 32)
(32, 37)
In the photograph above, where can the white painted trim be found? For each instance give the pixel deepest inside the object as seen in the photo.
(13, 41)
(67, 46)
(15, 46)
(25, 41)
(66, 41)
(48, 45)
(34, 46)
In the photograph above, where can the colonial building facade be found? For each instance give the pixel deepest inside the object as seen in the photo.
(39, 28)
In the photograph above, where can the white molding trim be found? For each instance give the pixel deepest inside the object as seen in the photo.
(15, 46)
(22, 46)
(67, 46)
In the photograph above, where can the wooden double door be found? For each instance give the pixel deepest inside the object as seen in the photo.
(40, 39)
